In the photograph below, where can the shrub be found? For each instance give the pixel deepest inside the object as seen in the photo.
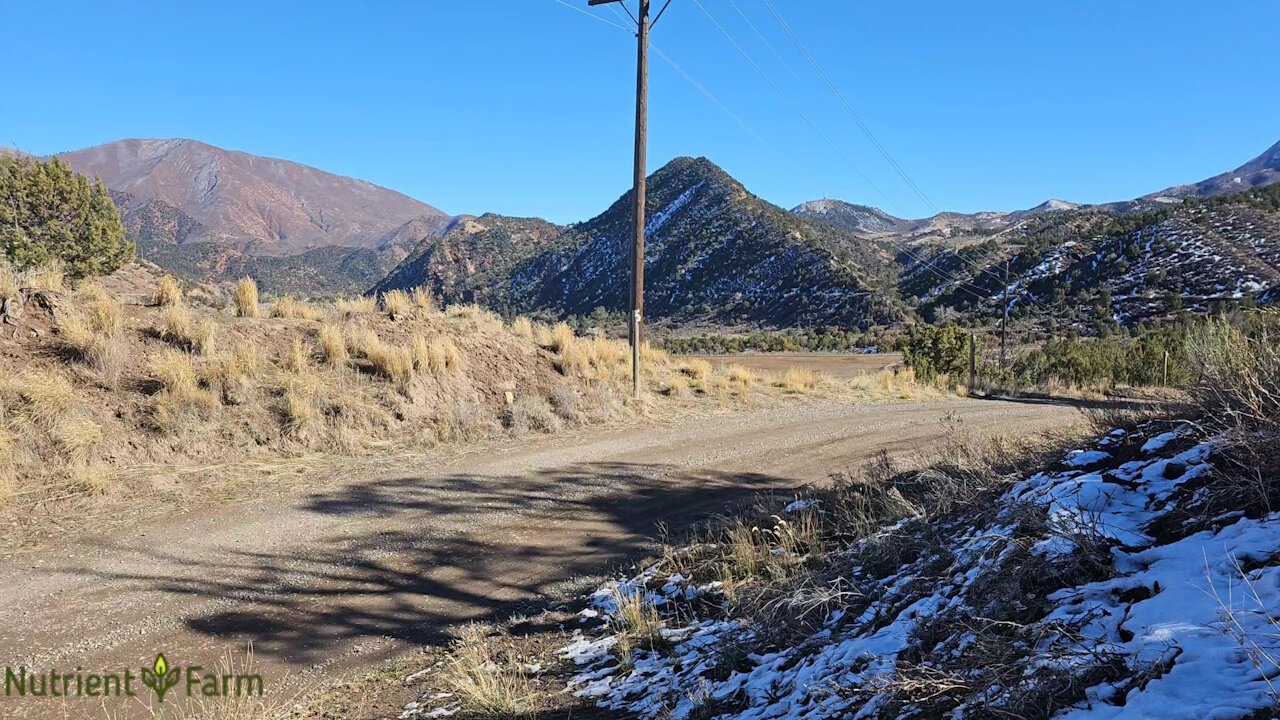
(168, 293)
(933, 350)
(531, 414)
(247, 298)
(396, 303)
(1239, 363)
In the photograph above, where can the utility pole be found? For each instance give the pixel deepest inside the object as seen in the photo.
(973, 362)
(1004, 323)
(636, 317)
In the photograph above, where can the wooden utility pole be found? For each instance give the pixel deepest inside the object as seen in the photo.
(1004, 322)
(973, 358)
(636, 316)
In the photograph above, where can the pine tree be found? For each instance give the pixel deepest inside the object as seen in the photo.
(49, 213)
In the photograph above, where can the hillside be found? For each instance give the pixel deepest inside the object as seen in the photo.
(457, 264)
(714, 253)
(209, 214)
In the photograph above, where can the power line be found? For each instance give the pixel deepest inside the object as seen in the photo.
(766, 42)
(857, 120)
(793, 106)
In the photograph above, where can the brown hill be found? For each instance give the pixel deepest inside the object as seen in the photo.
(281, 207)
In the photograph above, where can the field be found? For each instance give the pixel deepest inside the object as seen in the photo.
(834, 365)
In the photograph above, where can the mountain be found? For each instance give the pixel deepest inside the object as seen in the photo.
(714, 253)
(1258, 172)
(861, 219)
(281, 207)
(472, 249)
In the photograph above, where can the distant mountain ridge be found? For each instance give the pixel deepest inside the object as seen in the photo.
(281, 207)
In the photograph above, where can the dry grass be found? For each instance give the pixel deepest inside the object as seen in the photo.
(9, 285)
(799, 380)
(180, 329)
(352, 307)
(532, 414)
(247, 298)
(559, 337)
(232, 374)
(676, 386)
(290, 307)
(392, 362)
(78, 437)
(396, 304)
(181, 399)
(635, 622)
(301, 404)
(422, 299)
(522, 327)
(45, 397)
(490, 687)
(438, 357)
(49, 278)
(333, 343)
(93, 334)
(168, 292)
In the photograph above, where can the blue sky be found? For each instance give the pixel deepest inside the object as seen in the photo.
(525, 106)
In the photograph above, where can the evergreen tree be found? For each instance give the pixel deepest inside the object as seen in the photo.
(51, 214)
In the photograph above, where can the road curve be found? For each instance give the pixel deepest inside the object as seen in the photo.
(337, 578)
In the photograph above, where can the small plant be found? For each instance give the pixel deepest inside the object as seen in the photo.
(168, 293)
(490, 688)
(247, 298)
(396, 304)
(636, 619)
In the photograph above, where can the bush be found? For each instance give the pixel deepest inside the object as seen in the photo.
(51, 214)
(933, 350)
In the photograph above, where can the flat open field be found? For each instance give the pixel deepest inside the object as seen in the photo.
(836, 365)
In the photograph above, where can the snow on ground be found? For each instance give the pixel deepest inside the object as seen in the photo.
(1176, 624)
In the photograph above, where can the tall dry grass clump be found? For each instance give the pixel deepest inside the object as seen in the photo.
(422, 299)
(391, 361)
(487, 682)
(333, 343)
(232, 374)
(437, 357)
(351, 307)
(92, 331)
(799, 380)
(181, 329)
(396, 304)
(181, 398)
(45, 397)
(247, 298)
(522, 327)
(49, 277)
(291, 307)
(168, 293)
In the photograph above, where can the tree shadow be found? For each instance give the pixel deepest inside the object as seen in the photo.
(415, 556)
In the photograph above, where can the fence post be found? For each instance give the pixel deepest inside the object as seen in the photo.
(973, 370)
(1165, 381)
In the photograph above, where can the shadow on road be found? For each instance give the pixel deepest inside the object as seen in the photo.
(423, 554)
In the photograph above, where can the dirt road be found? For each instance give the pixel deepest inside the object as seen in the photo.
(336, 579)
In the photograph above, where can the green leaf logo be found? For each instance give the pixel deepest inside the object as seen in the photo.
(160, 677)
